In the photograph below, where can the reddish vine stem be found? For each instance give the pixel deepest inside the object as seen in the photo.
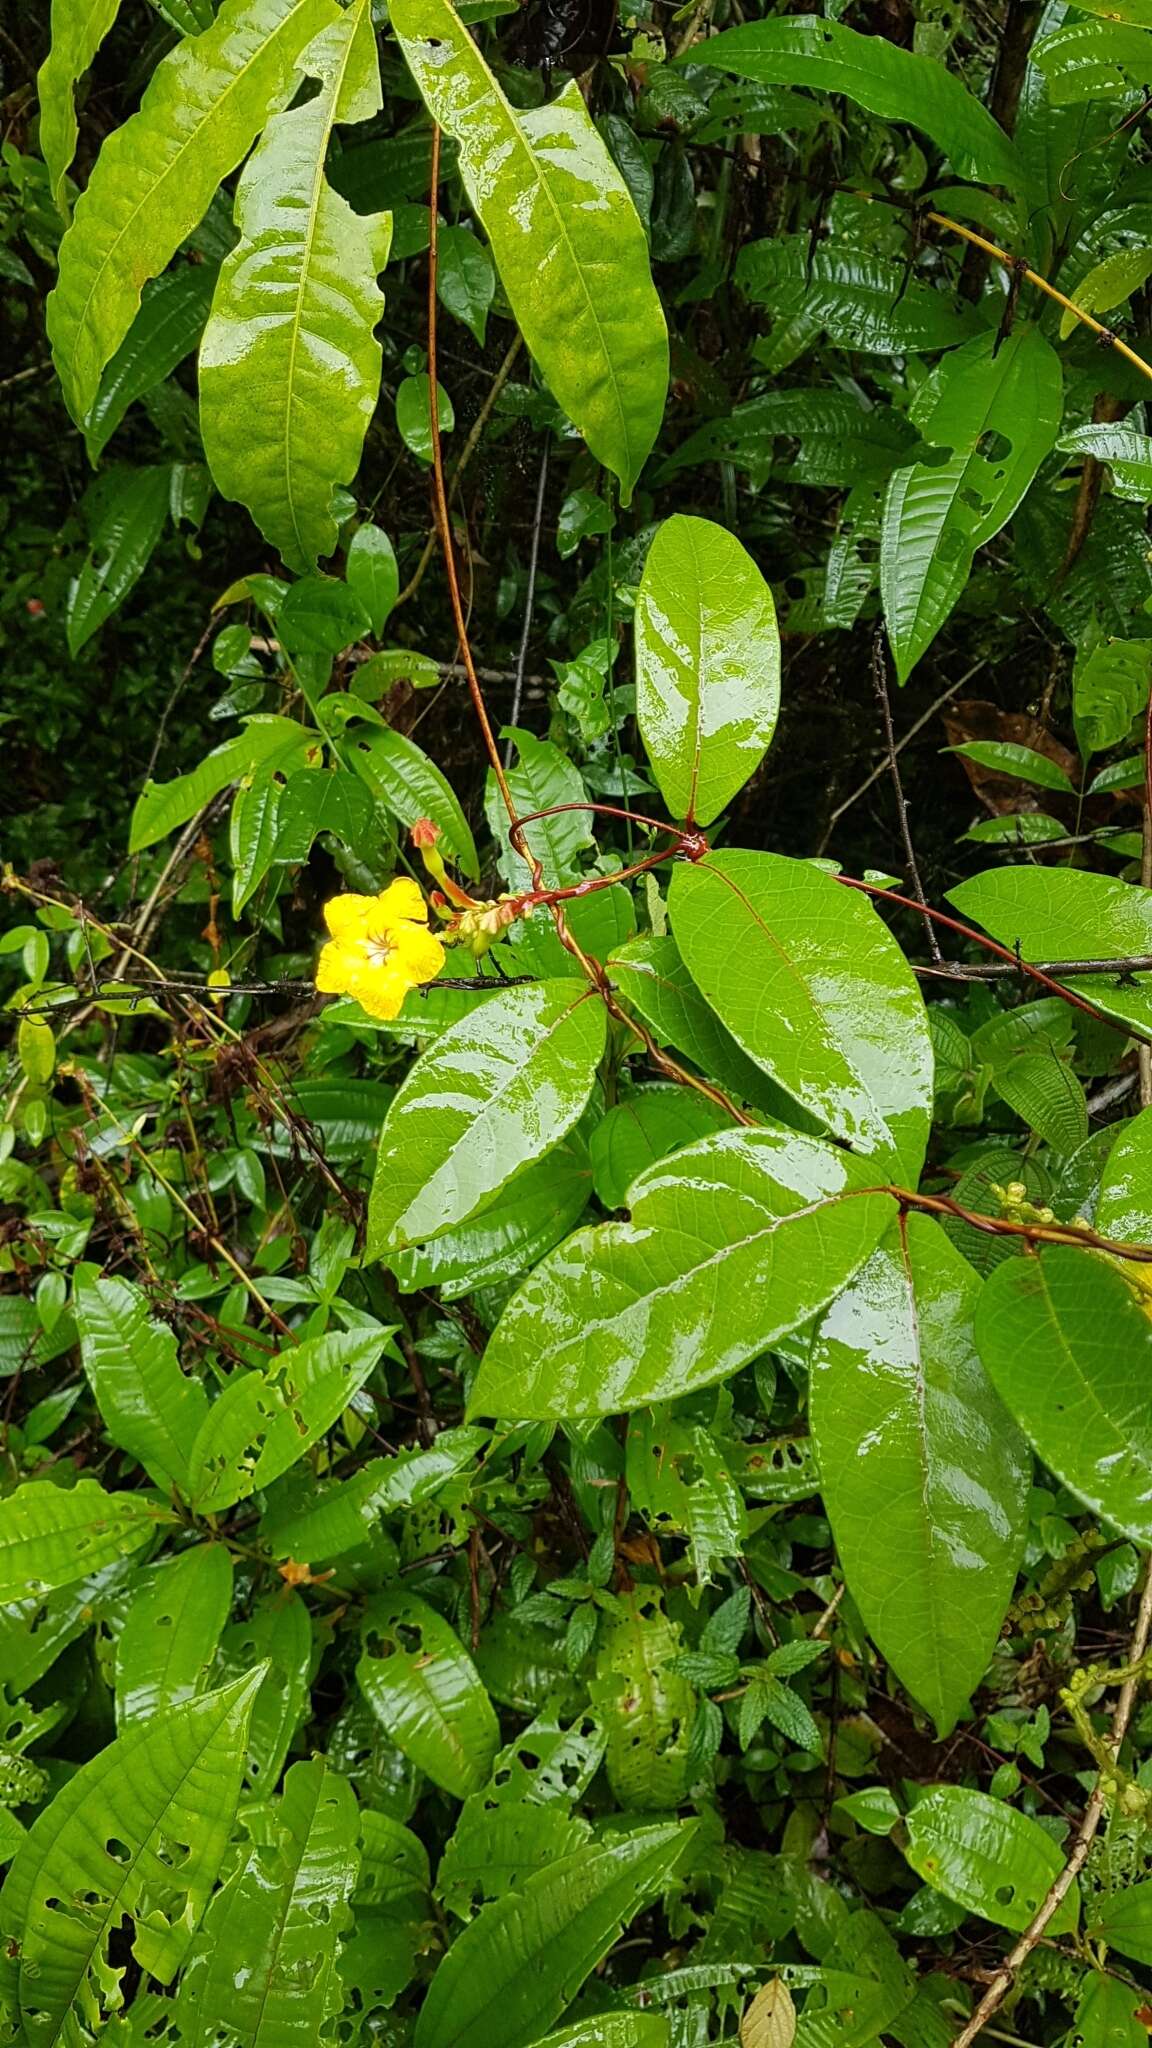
(1036, 1233)
(977, 938)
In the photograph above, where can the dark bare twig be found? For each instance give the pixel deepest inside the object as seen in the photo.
(881, 766)
(880, 685)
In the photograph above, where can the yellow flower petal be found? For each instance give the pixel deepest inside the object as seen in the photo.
(403, 898)
(337, 963)
(347, 916)
(420, 953)
(380, 990)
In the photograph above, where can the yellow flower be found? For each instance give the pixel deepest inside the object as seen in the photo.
(379, 949)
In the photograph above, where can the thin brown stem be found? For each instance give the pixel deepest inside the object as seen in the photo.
(880, 685)
(997, 1991)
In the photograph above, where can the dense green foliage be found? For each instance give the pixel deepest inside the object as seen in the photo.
(576, 1468)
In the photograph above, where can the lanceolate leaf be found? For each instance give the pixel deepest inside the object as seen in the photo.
(523, 1959)
(150, 1408)
(172, 313)
(107, 1838)
(78, 29)
(50, 1537)
(1127, 453)
(989, 415)
(1069, 914)
(289, 366)
(422, 1685)
(494, 1093)
(803, 974)
(263, 1971)
(568, 242)
(510, 1233)
(410, 786)
(165, 1648)
(861, 300)
(732, 1242)
(206, 103)
(263, 1422)
(707, 665)
(163, 806)
(127, 512)
(808, 50)
(1066, 1338)
(912, 1438)
(1087, 60)
(340, 1514)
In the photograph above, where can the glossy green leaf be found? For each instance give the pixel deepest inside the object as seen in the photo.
(494, 1093)
(707, 665)
(567, 240)
(987, 1857)
(522, 1960)
(1127, 453)
(108, 1835)
(162, 807)
(809, 50)
(425, 1690)
(646, 1706)
(206, 102)
(277, 1636)
(465, 279)
(1109, 689)
(989, 415)
(533, 1212)
(127, 513)
(859, 299)
(410, 786)
(653, 980)
(1067, 1341)
(50, 1537)
(263, 1422)
(540, 778)
(1069, 914)
(148, 1406)
(521, 1821)
(645, 1126)
(1124, 1204)
(1004, 757)
(840, 441)
(289, 364)
(804, 975)
(731, 1243)
(372, 574)
(679, 1479)
(341, 1514)
(1091, 60)
(263, 1971)
(165, 1649)
(913, 1439)
(614, 2030)
(1124, 1920)
(168, 326)
(1107, 2015)
(78, 29)
(253, 833)
(320, 615)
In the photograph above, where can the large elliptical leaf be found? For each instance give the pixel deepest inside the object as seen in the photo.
(990, 414)
(732, 1242)
(913, 1441)
(78, 29)
(1070, 914)
(289, 364)
(515, 1968)
(494, 1093)
(988, 1857)
(1066, 1339)
(806, 978)
(149, 1407)
(569, 245)
(425, 1690)
(263, 1971)
(205, 104)
(807, 49)
(103, 1849)
(707, 665)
